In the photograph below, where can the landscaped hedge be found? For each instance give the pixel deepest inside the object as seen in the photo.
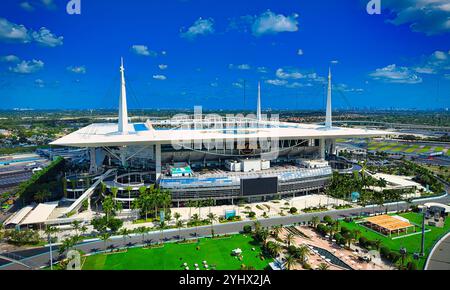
(48, 175)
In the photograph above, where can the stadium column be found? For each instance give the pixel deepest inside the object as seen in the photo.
(93, 159)
(158, 161)
(322, 148)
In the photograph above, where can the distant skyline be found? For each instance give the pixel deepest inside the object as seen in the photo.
(182, 53)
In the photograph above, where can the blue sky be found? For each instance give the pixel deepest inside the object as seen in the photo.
(181, 53)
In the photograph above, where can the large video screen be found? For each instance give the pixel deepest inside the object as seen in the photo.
(259, 186)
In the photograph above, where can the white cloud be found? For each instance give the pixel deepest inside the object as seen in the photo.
(39, 83)
(240, 66)
(49, 4)
(163, 66)
(214, 84)
(142, 50)
(262, 70)
(427, 16)
(238, 85)
(26, 6)
(9, 58)
(200, 27)
(11, 32)
(27, 67)
(271, 23)
(395, 74)
(77, 69)
(289, 74)
(434, 63)
(160, 77)
(46, 38)
(300, 52)
(277, 82)
(334, 61)
(346, 88)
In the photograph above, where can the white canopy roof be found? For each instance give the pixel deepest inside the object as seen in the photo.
(106, 134)
(16, 218)
(40, 214)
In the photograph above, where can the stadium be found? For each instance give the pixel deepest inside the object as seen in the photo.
(203, 157)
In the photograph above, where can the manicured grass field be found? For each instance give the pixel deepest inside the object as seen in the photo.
(400, 148)
(425, 149)
(438, 149)
(216, 252)
(411, 243)
(412, 149)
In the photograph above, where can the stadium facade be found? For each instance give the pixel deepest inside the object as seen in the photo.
(223, 158)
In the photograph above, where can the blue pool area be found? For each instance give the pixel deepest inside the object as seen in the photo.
(19, 160)
(140, 127)
(335, 260)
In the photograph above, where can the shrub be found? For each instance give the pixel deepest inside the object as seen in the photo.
(339, 239)
(251, 214)
(293, 210)
(247, 229)
(327, 219)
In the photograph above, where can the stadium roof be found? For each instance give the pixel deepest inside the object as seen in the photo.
(106, 134)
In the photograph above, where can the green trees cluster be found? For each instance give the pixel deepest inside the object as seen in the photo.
(152, 200)
(20, 238)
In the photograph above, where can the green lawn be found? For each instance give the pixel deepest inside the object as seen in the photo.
(439, 149)
(386, 148)
(412, 149)
(425, 149)
(172, 256)
(411, 243)
(400, 148)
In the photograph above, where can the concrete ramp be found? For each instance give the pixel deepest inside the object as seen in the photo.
(88, 193)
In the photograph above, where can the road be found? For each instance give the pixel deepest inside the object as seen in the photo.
(40, 256)
(440, 257)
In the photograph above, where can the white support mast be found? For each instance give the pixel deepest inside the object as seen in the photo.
(123, 110)
(328, 120)
(258, 109)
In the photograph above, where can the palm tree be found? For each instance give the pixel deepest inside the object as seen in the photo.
(303, 253)
(108, 206)
(105, 237)
(114, 191)
(129, 189)
(212, 218)
(315, 220)
(50, 231)
(323, 267)
(276, 230)
(290, 238)
(290, 262)
(274, 248)
(125, 233)
(162, 225)
(76, 225)
(179, 224)
(177, 216)
(142, 231)
(257, 226)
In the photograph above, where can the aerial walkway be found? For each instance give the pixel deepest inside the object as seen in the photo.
(87, 194)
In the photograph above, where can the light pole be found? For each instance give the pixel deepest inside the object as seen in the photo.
(51, 251)
(422, 246)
